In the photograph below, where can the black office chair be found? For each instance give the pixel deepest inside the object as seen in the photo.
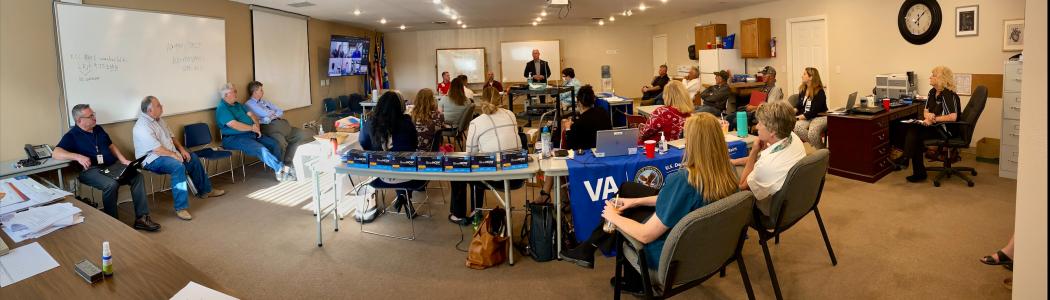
(965, 124)
(355, 107)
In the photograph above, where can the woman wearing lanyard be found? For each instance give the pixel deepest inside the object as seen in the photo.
(942, 105)
(811, 103)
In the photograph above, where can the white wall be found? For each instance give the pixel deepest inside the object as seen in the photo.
(584, 48)
(864, 41)
(1030, 227)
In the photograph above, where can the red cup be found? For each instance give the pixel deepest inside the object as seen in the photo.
(650, 148)
(886, 104)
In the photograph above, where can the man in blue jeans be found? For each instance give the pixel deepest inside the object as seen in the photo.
(240, 131)
(164, 155)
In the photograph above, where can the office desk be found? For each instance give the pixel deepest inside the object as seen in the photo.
(142, 268)
(860, 144)
(336, 169)
(7, 169)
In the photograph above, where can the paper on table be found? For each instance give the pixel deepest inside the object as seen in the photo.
(38, 221)
(37, 193)
(194, 291)
(732, 137)
(24, 262)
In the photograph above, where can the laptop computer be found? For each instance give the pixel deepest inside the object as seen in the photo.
(616, 142)
(849, 105)
(121, 173)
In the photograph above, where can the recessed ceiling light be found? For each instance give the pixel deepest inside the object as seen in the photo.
(459, 22)
(535, 23)
(664, 1)
(543, 13)
(612, 18)
(641, 7)
(357, 12)
(539, 19)
(630, 12)
(403, 26)
(464, 26)
(455, 17)
(382, 21)
(601, 22)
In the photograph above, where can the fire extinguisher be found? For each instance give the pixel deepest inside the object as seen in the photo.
(773, 47)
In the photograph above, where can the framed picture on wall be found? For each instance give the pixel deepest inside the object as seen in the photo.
(1013, 35)
(966, 20)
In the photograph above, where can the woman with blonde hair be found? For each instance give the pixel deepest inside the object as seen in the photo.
(428, 119)
(811, 103)
(670, 118)
(455, 103)
(647, 213)
(491, 95)
(942, 105)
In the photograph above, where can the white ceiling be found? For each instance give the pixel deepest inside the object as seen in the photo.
(421, 14)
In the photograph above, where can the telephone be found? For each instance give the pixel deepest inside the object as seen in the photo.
(36, 154)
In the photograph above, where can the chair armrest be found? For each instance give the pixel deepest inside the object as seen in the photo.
(630, 240)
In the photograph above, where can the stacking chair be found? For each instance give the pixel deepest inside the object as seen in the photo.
(799, 195)
(458, 133)
(355, 104)
(199, 135)
(965, 123)
(344, 104)
(701, 245)
(381, 187)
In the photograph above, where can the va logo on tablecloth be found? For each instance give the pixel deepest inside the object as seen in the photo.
(650, 176)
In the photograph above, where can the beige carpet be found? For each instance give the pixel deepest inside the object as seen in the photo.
(894, 240)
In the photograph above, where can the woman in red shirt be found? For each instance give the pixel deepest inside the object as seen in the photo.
(670, 118)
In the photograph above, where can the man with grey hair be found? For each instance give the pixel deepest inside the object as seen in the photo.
(241, 131)
(165, 155)
(274, 125)
(692, 81)
(90, 146)
(775, 152)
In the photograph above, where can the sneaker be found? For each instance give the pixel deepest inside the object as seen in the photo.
(916, 178)
(183, 214)
(582, 255)
(213, 193)
(147, 224)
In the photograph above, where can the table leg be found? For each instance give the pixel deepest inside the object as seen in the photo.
(338, 191)
(61, 182)
(557, 213)
(510, 230)
(317, 201)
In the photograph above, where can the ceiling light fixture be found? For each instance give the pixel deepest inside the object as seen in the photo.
(459, 22)
(437, 1)
(534, 23)
(612, 18)
(543, 13)
(630, 12)
(601, 22)
(539, 19)
(664, 1)
(382, 21)
(357, 12)
(403, 25)
(641, 7)
(455, 17)
(464, 26)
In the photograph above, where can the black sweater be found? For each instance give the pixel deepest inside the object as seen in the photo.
(584, 131)
(818, 105)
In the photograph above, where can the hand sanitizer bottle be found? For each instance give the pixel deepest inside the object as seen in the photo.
(663, 143)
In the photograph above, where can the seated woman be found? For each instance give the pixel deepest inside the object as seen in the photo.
(494, 130)
(582, 134)
(774, 154)
(455, 103)
(811, 103)
(568, 77)
(668, 119)
(388, 128)
(428, 119)
(941, 106)
(647, 214)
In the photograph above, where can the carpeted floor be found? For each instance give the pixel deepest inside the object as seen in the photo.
(894, 240)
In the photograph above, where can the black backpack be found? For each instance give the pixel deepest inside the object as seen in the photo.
(539, 232)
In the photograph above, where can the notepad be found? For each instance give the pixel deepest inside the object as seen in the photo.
(24, 262)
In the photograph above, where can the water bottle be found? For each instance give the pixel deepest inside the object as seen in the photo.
(545, 138)
(476, 220)
(663, 143)
(741, 124)
(609, 227)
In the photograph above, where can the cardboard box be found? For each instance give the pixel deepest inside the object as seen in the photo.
(382, 160)
(514, 159)
(457, 163)
(356, 158)
(404, 162)
(430, 162)
(483, 162)
(988, 150)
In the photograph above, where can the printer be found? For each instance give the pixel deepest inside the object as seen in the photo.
(895, 86)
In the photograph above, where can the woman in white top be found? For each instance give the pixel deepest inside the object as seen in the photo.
(494, 130)
(777, 150)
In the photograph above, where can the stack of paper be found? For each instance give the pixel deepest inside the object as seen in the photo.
(24, 262)
(23, 193)
(38, 221)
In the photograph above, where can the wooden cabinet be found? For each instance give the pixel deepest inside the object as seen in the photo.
(707, 33)
(860, 144)
(754, 38)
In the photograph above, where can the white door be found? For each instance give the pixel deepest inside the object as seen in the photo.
(807, 47)
(659, 52)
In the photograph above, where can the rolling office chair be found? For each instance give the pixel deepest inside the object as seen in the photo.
(965, 123)
(199, 135)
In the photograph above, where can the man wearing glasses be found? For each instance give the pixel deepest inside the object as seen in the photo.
(88, 144)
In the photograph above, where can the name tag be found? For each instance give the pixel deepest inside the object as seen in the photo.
(99, 159)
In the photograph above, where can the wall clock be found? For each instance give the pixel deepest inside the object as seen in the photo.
(919, 20)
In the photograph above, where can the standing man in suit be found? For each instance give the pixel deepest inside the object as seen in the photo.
(538, 70)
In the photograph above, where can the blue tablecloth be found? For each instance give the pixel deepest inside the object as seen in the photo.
(593, 180)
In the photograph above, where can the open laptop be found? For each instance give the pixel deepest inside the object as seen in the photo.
(849, 105)
(616, 142)
(121, 173)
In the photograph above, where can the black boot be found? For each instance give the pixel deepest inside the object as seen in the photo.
(410, 211)
(582, 255)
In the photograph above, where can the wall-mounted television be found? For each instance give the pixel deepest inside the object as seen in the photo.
(348, 56)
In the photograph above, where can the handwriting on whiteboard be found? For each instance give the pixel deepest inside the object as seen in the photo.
(91, 67)
(184, 55)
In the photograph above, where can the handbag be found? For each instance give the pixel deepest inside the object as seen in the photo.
(488, 246)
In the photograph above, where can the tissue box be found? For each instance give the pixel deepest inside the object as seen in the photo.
(737, 149)
(382, 160)
(357, 158)
(514, 159)
(404, 162)
(483, 162)
(457, 163)
(429, 162)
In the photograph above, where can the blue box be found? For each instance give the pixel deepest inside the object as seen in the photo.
(737, 149)
(483, 162)
(457, 163)
(382, 160)
(357, 159)
(429, 162)
(514, 159)
(404, 162)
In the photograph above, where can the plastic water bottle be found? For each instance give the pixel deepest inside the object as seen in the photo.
(545, 139)
(609, 227)
(663, 143)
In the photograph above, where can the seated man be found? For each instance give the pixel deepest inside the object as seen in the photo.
(692, 81)
(655, 88)
(274, 125)
(88, 144)
(165, 155)
(777, 150)
(240, 131)
(490, 80)
(714, 98)
(773, 93)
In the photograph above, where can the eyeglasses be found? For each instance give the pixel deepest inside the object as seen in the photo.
(92, 116)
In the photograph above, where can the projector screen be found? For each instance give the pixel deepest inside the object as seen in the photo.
(282, 62)
(514, 56)
(112, 58)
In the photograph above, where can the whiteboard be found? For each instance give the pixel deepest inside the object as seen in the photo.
(281, 57)
(514, 56)
(111, 58)
(470, 62)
